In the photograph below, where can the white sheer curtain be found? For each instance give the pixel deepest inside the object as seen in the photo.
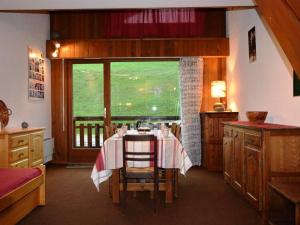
(191, 85)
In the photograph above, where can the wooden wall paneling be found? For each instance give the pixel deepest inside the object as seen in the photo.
(91, 24)
(81, 49)
(215, 23)
(285, 25)
(67, 48)
(99, 48)
(213, 69)
(58, 103)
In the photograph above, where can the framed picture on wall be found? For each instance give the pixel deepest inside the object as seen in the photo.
(296, 85)
(36, 75)
(252, 44)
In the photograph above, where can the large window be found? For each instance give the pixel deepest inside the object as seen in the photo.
(145, 88)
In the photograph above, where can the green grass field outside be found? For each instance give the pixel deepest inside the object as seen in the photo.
(137, 89)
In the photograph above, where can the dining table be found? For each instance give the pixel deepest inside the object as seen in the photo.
(171, 155)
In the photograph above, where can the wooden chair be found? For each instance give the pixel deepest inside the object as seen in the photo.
(173, 128)
(136, 173)
(108, 132)
(178, 132)
(176, 171)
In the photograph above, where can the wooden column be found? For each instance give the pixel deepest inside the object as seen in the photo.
(59, 111)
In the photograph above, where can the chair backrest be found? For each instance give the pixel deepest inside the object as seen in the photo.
(173, 128)
(178, 132)
(145, 156)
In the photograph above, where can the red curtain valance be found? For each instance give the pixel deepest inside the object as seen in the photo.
(156, 23)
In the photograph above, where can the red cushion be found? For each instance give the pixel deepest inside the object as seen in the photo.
(11, 178)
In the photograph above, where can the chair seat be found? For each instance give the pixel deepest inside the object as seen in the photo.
(140, 170)
(140, 173)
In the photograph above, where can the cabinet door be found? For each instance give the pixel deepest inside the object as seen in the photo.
(253, 175)
(227, 158)
(36, 155)
(213, 157)
(238, 148)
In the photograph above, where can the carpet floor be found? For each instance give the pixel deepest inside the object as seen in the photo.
(204, 199)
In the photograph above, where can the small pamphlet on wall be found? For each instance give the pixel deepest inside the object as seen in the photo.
(36, 74)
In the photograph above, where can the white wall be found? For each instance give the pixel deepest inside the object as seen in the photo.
(267, 83)
(17, 32)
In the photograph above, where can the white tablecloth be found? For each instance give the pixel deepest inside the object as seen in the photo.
(171, 154)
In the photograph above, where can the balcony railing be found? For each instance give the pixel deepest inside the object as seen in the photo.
(88, 132)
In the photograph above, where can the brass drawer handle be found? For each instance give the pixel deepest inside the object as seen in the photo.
(20, 141)
(21, 154)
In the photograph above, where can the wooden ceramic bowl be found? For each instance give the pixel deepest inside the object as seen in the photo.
(257, 116)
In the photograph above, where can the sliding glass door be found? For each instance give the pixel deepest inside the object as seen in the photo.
(101, 92)
(87, 109)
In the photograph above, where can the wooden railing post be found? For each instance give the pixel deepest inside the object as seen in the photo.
(98, 128)
(97, 135)
(81, 128)
(89, 135)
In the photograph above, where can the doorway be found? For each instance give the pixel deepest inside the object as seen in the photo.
(87, 109)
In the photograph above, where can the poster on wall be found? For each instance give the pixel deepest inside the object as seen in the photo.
(252, 44)
(296, 85)
(36, 74)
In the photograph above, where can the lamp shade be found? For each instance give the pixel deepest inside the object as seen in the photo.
(218, 89)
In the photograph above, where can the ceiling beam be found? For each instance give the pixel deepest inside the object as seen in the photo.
(116, 48)
(284, 22)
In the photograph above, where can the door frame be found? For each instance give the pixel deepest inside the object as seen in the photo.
(85, 155)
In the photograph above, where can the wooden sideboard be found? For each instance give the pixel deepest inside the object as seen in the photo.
(212, 138)
(255, 154)
(21, 147)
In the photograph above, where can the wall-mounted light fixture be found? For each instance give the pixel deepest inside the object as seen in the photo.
(218, 90)
(55, 53)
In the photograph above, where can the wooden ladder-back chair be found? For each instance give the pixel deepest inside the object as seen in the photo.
(176, 171)
(173, 128)
(108, 132)
(142, 174)
(178, 132)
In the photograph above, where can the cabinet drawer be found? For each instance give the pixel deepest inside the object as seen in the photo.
(19, 140)
(20, 164)
(253, 139)
(18, 153)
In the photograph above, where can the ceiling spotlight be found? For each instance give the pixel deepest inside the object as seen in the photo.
(57, 45)
(55, 54)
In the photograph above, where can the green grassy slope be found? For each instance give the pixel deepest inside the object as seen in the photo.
(138, 89)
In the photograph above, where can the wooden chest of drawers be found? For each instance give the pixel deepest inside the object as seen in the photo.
(255, 154)
(21, 147)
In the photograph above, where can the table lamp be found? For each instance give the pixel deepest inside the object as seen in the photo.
(218, 90)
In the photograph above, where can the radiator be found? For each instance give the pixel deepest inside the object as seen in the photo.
(48, 149)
